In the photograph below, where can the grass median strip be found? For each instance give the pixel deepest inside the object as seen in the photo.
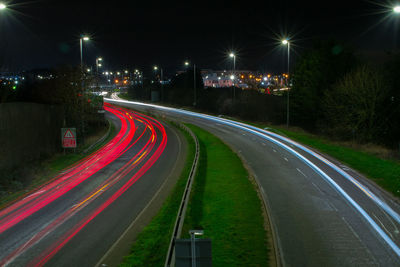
(224, 203)
(152, 243)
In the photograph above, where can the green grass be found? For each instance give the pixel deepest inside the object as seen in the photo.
(224, 203)
(41, 171)
(384, 172)
(152, 243)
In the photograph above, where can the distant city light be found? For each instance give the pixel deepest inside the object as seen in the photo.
(126, 72)
(88, 70)
(396, 9)
(265, 78)
(100, 65)
(232, 77)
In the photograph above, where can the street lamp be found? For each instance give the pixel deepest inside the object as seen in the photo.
(2, 6)
(194, 83)
(161, 81)
(193, 234)
(232, 55)
(83, 38)
(98, 63)
(286, 42)
(396, 9)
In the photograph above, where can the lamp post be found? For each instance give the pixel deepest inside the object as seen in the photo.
(286, 42)
(161, 81)
(232, 55)
(98, 63)
(83, 38)
(194, 83)
(193, 234)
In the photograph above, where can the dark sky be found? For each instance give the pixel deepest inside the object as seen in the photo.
(139, 34)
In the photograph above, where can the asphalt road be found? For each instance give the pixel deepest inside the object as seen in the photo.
(322, 212)
(75, 218)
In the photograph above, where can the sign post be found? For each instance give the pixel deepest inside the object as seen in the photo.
(68, 137)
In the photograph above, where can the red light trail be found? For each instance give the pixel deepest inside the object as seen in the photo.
(138, 132)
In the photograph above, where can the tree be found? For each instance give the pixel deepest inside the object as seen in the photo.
(314, 74)
(356, 105)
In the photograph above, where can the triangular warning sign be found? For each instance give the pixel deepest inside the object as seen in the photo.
(68, 134)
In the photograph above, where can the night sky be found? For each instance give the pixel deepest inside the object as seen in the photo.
(140, 34)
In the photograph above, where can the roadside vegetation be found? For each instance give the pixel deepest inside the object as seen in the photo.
(16, 183)
(151, 245)
(224, 203)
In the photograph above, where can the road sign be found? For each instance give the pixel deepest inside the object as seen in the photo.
(183, 253)
(68, 137)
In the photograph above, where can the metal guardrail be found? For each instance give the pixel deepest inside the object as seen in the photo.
(184, 202)
(100, 140)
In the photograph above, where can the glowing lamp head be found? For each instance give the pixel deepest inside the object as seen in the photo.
(232, 77)
(85, 38)
(232, 55)
(100, 58)
(186, 63)
(396, 9)
(285, 42)
(2, 6)
(155, 68)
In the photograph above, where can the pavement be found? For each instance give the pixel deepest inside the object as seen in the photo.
(322, 212)
(77, 217)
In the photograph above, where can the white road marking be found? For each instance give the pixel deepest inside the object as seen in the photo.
(274, 150)
(316, 186)
(286, 159)
(387, 231)
(301, 172)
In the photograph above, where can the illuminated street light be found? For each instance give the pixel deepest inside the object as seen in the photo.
(187, 63)
(396, 9)
(232, 55)
(83, 38)
(2, 6)
(161, 81)
(126, 72)
(286, 42)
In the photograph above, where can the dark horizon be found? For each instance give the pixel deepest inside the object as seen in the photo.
(45, 34)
